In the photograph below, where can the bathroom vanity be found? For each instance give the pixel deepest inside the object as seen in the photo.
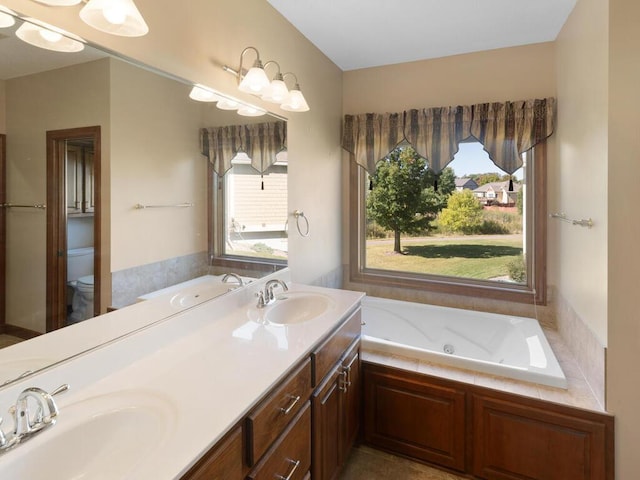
(221, 390)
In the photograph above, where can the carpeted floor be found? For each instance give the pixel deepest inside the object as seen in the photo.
(368, 464)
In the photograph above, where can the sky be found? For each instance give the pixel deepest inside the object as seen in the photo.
(471, 158)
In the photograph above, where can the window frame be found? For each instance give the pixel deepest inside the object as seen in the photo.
(533, 292)
(216, 232)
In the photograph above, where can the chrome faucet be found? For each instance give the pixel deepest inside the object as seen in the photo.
(267, 297)
(27, 423)
(234, 276)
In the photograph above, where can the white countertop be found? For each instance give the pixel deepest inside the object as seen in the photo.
(207, 367)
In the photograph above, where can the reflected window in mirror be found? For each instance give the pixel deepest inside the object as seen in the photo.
(255, 210)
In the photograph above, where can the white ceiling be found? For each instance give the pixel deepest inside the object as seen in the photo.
(366, 33)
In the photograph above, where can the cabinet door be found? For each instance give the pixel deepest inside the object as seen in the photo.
(88, 197)
(327, 426)
(222, 462)
(513, 441)
(407, 415)
(74, 179)
(351, 400)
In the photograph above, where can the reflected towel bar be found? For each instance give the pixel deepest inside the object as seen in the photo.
(139, 206)
(40, 206)
(585, 222)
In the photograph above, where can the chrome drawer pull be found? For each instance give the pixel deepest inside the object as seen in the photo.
(295, 464)
(342, 386)
(294, 400)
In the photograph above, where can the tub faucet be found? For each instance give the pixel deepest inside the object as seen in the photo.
(26, 422)
(267, 297)
(234, 276)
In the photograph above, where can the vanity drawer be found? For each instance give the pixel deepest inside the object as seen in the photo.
(290, 456)
(222, 462)
(328, 354)
(269, 419)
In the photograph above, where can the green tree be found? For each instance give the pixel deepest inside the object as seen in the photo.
(519, 201)
(403, 199)
(463, 213)
(484, 178)
(446, 183)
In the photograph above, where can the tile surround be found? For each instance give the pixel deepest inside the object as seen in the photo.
(129, 284)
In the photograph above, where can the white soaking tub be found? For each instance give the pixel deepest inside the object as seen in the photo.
(504, 345)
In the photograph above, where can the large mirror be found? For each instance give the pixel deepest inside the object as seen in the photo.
(109, 151)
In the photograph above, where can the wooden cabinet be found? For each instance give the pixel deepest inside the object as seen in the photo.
(222, 462)
(336, 402)
(275, 439)
(290, 456)
(406, 415)
(515, 440)
(482, 432)
(80, 179)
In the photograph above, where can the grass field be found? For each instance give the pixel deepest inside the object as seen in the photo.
(480, 257)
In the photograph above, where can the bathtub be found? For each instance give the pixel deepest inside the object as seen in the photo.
(508, 346)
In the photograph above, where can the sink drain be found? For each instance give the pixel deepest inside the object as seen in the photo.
(448, 348)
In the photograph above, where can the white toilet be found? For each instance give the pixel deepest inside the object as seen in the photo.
(80, 278)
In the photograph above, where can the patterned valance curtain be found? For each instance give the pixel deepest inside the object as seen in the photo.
(371, 137)
(505, 130)
(435, 133)
(261, 142)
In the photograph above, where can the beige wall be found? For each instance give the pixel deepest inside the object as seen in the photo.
(193, 40)
(49, 101)
(516, 73)
(579, 178)
(3, 114)
(623, 388)
(154, 161)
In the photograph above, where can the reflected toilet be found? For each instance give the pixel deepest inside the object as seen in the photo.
(80, 279)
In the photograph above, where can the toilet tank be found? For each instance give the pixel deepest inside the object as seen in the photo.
(79, 263)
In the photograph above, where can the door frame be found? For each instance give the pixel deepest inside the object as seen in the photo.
(57, 222)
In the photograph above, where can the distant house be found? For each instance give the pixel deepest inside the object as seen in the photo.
(497, 193)
(465, 183)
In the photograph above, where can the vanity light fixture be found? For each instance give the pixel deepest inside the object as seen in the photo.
(118, 17)
(202, 93)
(295, 101)
(256, 82)
(48, 37)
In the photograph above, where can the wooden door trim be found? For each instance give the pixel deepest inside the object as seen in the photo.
(56, 222)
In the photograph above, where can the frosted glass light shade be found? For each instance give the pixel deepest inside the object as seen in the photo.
(250, 111)
(201, 93)
(6, 20)
(59, 3)
(227, 104)
(48, 37)
(276, 92)
(255, 81)
(295, 102)
(118, 17)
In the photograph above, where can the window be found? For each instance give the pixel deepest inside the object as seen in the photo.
(249, 213)
(470, 235)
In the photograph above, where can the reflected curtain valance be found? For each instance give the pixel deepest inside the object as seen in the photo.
(506, 130)
(261, 142)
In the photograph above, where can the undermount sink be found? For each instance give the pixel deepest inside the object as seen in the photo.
(100, 438)
(296, 307)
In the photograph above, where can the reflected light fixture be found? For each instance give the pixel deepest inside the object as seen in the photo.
(201, 93)
(295, 101)
(48, 37)
(227, 104)
(250, 111)
(6, 18)
(256, 82)
(59, 3)
(118, 17)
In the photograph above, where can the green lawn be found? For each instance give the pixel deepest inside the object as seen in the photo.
(479, 257)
